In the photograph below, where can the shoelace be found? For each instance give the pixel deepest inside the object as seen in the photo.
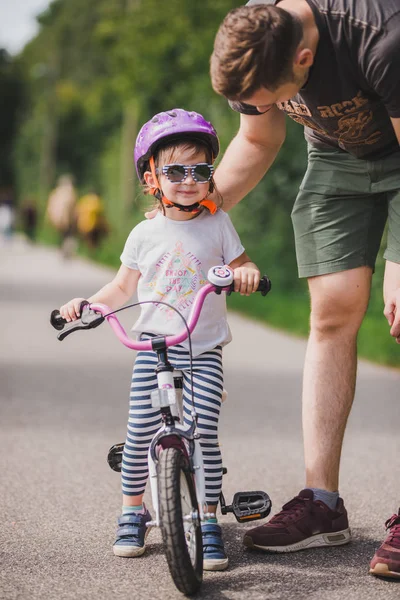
(394, 525)
(293, 509)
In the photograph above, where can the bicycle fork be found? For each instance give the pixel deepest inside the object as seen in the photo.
(196, 462)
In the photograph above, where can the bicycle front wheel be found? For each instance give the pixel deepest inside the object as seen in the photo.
(180, 521)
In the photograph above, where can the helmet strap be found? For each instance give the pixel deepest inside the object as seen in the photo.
(192, 208)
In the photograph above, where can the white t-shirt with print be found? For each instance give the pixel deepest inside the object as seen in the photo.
(173, 258)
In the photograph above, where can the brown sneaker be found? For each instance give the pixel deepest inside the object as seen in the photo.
(302, 523)
(386, 562)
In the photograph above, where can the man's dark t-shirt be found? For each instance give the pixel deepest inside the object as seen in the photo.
(354, 84)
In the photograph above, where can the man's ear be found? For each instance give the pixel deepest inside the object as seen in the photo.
(304, 58)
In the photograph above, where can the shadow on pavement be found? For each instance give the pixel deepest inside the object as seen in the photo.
(257, 574)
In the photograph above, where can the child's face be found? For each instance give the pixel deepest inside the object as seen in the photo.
(188, 191)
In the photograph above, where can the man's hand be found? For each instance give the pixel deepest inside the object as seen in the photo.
(391, 292)
(392, 313)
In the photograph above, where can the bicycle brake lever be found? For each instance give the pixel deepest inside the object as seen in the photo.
(89, 320)
(70, 328)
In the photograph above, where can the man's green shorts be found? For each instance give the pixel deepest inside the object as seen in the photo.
(340, 212)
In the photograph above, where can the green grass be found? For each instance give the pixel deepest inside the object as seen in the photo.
(376, 344)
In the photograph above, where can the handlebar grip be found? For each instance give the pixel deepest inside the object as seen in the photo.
(89, 319)
(57, 321)
(264, 286)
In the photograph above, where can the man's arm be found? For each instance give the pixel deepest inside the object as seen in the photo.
(250, 155)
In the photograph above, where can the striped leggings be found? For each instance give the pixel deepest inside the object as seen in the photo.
(144, 420)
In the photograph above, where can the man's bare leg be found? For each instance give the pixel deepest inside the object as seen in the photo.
(339, 302)
(338, 305)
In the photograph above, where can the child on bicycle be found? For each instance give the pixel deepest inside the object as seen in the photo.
(166, 259)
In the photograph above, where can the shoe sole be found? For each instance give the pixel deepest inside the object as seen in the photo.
(219, 564)
(131, 551)
(382, 570)
(320, 540)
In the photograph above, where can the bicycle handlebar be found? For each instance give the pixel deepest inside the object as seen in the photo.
(92, 315)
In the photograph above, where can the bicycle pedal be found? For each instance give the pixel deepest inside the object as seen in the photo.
(249, 506)
(114, 457)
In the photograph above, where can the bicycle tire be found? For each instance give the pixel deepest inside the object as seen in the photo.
(176, 486)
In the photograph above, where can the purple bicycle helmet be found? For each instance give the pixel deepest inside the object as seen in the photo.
(172, 124)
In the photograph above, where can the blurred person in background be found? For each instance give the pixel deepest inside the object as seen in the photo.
(91, 222)
(7, 214)
(29, 218)
(61, 209)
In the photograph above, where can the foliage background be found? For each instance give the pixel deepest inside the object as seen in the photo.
(75, 97)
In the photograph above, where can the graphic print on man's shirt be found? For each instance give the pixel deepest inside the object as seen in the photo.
(176, 278)
(350, 122)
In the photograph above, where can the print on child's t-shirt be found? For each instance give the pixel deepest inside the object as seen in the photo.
(176, 278)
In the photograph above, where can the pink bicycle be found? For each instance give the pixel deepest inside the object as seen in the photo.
(176, 469)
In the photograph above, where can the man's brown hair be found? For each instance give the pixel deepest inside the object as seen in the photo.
(254, 47)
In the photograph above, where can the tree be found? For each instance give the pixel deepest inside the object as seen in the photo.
(11, 102)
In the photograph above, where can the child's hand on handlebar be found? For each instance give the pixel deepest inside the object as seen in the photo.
(246, 279)
(71, 310)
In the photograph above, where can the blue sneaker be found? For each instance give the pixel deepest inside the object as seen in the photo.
(131, 534)
(214, 555)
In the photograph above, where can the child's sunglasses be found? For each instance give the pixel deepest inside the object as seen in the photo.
(201, 173)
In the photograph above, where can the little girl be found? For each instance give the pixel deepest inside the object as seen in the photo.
(167, 259)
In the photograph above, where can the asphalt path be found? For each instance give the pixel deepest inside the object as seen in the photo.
(63, 405)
